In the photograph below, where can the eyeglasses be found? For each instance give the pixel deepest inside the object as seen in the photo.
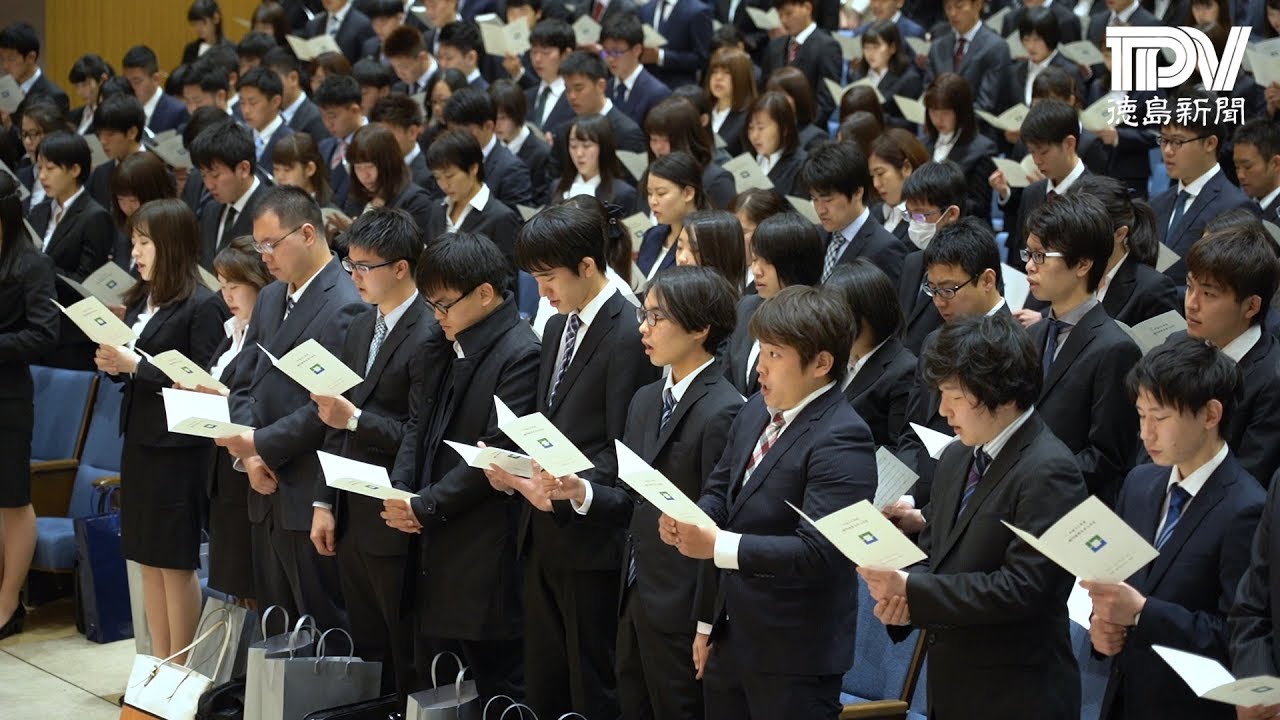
(946, 293)
(606, 54)
(1177, 143)
(32, 134)
(923, 217)
(444, 308)
(651, 317)
(268, 247)
(1037, 256)
(354, 267)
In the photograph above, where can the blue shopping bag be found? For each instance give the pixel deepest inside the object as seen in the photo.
(101, 577)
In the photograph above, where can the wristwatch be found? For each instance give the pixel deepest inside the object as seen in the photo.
(353, 421)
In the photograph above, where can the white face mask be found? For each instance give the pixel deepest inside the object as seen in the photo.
(921, 232)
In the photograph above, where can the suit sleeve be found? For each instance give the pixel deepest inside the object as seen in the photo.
(693, 59)
(376, 430)
(714, 444)
(896, 409)
(99, 235)
(40, 334)
(1250, 618)
(1113, 424)
(518, 185)
(988, 92)
(1257, 451)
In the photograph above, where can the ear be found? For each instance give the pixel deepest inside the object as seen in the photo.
(311, 169)
(823, 364)
(1070, 144)
(987, 280)
(1252, 306)
(1212, 413)
(487, 293)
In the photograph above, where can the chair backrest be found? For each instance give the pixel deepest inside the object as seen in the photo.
(63, 403)
(1093, 673)
(102, 447)
(881, 668)
(527, 299)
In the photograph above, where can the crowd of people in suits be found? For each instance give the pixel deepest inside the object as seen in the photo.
(400, 200)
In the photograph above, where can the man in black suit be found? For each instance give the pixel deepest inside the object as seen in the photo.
(1190, 147)
(974, 51)
(339, 99)
(462, 522)
(1067, 22)
(994, 607)
(385, 343)
(734, 12)
(551, 42)
(403, 117)
(313, 298)
(585, 79)
(1255, 151)
(527, 145)
(1199, 508)
(797, 441)
(472, 110)
(120, 124)
(164, 112)
(1084, 354)
(934, 196)
(1255, 617)
(686, 26)
(679, 426)
(296, 108)
(633, 89)
(261, 96)
(838, 181)
(205, 84)
(224, 155)
(385, 16)
(20, 59)
(410, 58)
(807, 47)
(1229, 275)
(348, 27)
(591, 367)
(461, 47)
(1118, 12)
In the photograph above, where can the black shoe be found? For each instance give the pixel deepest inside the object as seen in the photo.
(14, 626)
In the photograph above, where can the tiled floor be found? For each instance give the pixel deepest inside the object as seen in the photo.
(51, 671)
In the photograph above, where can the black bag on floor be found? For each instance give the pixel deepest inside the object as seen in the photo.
(224, 702)
(376, 709)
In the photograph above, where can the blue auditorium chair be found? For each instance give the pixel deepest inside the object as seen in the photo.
(63, 404)
(883, 680)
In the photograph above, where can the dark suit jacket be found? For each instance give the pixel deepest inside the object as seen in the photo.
(1098, 23)
(739, 347)
(688, 33)
(1190, 588)
(508, 177)
(733, 131)
(651, 246)
(307, 119)
(785, 175)
(28, 321)
(975, 158)
(918, 311)
(994, 607)
(1083, 399)
(879, 392)
(389, 401)
(560, 112)
(1015, 84)
(420, 173)
(643, 95)
(628, 135)
(985, 63)
(352, 33)
(1255, 616)
(81, 242)
(876, 244)
(496, 221)
(191, 51)
(412, 199)
(590, 408)
(789, 575)
(11, 150)
(1138, 293)
(211, 218)
(99, 185)
(907, 83)
(467, 524)
(170, 114)
(818, 58)
(264, 163)
(339, 177)
(1255, 421)
(623, 195)
(535, 153)
(755, 38)
(288, 432)
(1216, 197)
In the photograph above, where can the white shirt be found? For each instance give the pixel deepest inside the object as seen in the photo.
(995, 307)
(489, 146)
(149, 106)
(267, 132)
(473, 76)
(850, 230)
(767, 162)
(606, 108)
(86, 121)
(1191, 483)
(942, 147)
(413, 153)
(858, 365)
(586, 316)
(805, 33)
(288, 113)
(896, 214)
(296, 295)
(1264, 202)
(875, 76)
(517, 142)
(26, 86)
(725, 553)
(420, 85)
(336, 18)
(239, 205)
(1126, 14)
(235, 329)
(1244, 342)
(1194, 187)
(1065, 185)
(1033, 70)
(477, 203)
(718, 117)
(583, 187)
(629, 81)
(141, 323)
(993, 446)
(1101, 292)
(54, 208)
(968, 36)
(662, 255)
(557, 89)
(394, 316)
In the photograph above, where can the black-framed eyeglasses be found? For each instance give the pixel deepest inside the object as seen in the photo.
(1177, 143)
(354, 267)
(268, 247)
(946, 293)
(1037, 256)
(650, 317)
(444, 308)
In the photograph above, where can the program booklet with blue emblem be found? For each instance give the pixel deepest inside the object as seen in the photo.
(868, 538)
(1092, 543)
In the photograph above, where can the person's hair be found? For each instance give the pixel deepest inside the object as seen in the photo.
(1076, 225)
(715, 238)
(299, 148)
(741, 73)
(508, 99)
(590, 65)
(836, 167)
(90, 67)
(21, 37)
(596, 129)
(1054, 82)
(1040, 21)
(225, 142)
(779, 4)
(116, 86)
(534, 5)
(120, 113)
(376, 145)
(790, 244)
(338, 91)
(202, 119)
(208, 76)
(404, 41)
(617, 240)
(173, 230)
(775, 105)
(332, 63)
(990, 356)
(758, 204)
(371, 73)
(264, 79)
(1224, 14)
(1050, 122)
(222, 57)
(385, 8)
(967, 244)
(861, 98)
(13, 232)
(677, 120)
(1195, 122)
(794, 84)
(1261, 133)
(456, 148)
(808, 320)
(871, 296)
(390, 233)
(141, 57)
(553, 33)
(950, 91)
(1242, 260)
(272, 13)
(398, 110)
(255, 45)
(142, 176)
(240, 262)
(206, 10)
(1267, 30)
(463, 36)
(623, 26)
(941, 184)
(886, 32)
(43, 111)
(695, 298)
(469, 106)
(282, 62)
(293, 206)
(698, 97)
(728, 36)
(462, 262)
(1236, 218)
(681, 169)
(898, 147)
(1185, 374)
(1125, 211)
(561, 236)
(861, 129)
(67, 150)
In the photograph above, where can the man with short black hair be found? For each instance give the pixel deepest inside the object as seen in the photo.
(1256, 153)
(20, 59)
(296, 108)
(633, 89)
(223, 153)
(375, 80)
(120, 124)
(934, 196)
(339, 98)
(403, 117)
(341, 20)
(471, 109)
(972, 50)
(141, 68)
(205, 84)
(261, 95)
(551, 41)
(461, 48)
(407, 52)
(804, 45)
(585, 79)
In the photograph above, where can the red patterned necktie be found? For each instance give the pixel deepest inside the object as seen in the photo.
(767, 439)
(959, 56)
(793, 47)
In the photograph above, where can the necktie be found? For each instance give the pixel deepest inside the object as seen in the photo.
(379, 334)
(961, 42)
(766, 441)
(668, 406)
(339, 155)
(1178, 498)
(793, 47)
(227, 222)
(57, 215)
(620, 92)
(570, 337)
(540, 106)
(259, 144)
(978, 468)
(334, 24)
(1051, 344)
(1051, 196)
(1179, 207)
(834, 248)
(597, 11)
(288, 306)
(658, 16)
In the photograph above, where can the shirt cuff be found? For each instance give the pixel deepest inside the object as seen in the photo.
(662, 54)
(725, 553)
(1002, 200)
(238, 465)
(704, 628)
(585, 507)
(908, 499)
(322, 505)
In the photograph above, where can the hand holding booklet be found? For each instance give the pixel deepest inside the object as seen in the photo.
(180, 369)
(653, 486)
(108, 283)
(865, 536)
(543, 441)
(358, 477)
(1092, 543)
(316, 369)
(199, 414)
(484, 457)
(97, 322)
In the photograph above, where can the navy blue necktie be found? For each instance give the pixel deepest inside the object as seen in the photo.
(978, 468)
(1178, 498)
(1179, 207)
(668, 407)
(1051, 344)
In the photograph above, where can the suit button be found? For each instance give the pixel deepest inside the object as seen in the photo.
(932, 640)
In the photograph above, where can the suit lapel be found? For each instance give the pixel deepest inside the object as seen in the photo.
(799, 427)
(1078, 339)
(601, 326)
(389, 344)
(1121, 288)
(1146, 519)
(360, 335)
(1209, 496)
(153, 325)
(312, 302)
(691, 398)
(1207, 196)
(873, 370)
(68, 220)
(552, 336)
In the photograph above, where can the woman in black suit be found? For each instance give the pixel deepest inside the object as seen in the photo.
(674, 190)
(887, 61)
(882, 371)
(731, 83)
(775, 142)
(163, 507)
(242, 274)
(380, 178)
(952, 134)
(456, 160)
(591, 166)
(205, 19)
(792, 82)
(675, 125)
(28, 329)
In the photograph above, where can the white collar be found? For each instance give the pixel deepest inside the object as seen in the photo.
(341, 14)
(849, 231)
(413, 153)
(970, 34)
(789, 416)
(26, 86)
(557, 86)
(995, 308)
(947, 138)
(477, 203)
(679, 389)
(859, 364)
(1127, 13)
(425, 77)
(270, 129)
(771, 160)
(457, 350)
(56, 206)
(235, 326)
(1036, 68)
(1109, 277)
(606, 108)
(581, 186)
(1270, 197)
(244, 199)
(1194, 187)
(518, 141)
(1067, 181)
(589, 311)
(290, 111)
(149, 107)
(993, 446)
(473, 76)
(489, 146)
(1244, 342)
(394, 316)
(1194, 482)
(296, 295)
(630, 80)
(806, 33)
